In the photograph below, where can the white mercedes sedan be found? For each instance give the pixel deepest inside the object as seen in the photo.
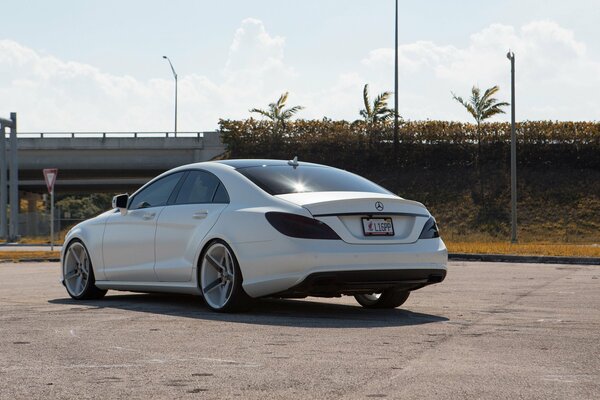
(237, 230)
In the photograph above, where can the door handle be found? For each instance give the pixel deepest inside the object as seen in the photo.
(201, 214)
(148, 216)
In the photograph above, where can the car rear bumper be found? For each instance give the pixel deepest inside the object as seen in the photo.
(333, 284)
(276, 267)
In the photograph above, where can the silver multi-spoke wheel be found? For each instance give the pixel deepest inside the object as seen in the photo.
(76, 269)
(390, 298)
(78, 275)
(220, 279)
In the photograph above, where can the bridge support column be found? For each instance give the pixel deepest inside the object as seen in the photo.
(13, 226)
(197, 155)
(3, 185)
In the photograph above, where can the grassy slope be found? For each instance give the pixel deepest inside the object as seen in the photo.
(554, 205)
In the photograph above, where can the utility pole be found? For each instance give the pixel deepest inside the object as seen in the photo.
(13, 232)
(396, 140)
(174, 76)
(513, 150)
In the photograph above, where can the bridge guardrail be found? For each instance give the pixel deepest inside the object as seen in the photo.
(104, 135)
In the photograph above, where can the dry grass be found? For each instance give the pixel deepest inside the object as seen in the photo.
(42, 240)
(534, 249)
(59, 238)
(530, 249)
(28, 255)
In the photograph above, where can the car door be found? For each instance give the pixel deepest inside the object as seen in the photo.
(183, 224)
(128, 242)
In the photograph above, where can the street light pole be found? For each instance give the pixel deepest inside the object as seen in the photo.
(174, 76)
(396, 144)
(513, 150)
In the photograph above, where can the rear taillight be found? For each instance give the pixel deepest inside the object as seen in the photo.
(430, 230)
(298, 226)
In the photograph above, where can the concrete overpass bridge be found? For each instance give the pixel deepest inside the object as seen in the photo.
(89, 162)
(108, 162)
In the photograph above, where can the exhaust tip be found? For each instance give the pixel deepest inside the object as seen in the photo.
(435, 278)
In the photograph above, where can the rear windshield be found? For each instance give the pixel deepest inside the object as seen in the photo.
(286, 179)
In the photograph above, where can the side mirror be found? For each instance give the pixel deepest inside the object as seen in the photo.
(120, 202)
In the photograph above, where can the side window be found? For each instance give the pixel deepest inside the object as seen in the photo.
(221, 195)
(156, 194)
(198, 187)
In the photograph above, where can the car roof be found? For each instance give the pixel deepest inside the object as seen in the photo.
(248, 163)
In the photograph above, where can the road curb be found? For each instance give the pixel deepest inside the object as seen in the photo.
(30, 260)
(523, 259)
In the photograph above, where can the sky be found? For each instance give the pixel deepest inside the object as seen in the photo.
(70, 65)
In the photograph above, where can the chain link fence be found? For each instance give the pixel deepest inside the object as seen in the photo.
(37, 224)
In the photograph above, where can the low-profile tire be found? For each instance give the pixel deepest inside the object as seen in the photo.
(78, 273)
(390, 298)
(220, 279)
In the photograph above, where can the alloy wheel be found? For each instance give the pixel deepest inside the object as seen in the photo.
(217, 277)
(76, 269)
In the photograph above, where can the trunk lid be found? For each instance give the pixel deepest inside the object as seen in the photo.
(344, 212)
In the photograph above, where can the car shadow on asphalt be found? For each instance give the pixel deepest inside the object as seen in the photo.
(275, 312)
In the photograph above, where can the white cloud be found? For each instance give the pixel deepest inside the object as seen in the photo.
(555, 75)
(51, 94)
(253, 48)
(342, 100)
(556, 79)
(56, 95)
(255, 73)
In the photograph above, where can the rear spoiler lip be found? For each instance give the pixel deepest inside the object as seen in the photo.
(372, 213)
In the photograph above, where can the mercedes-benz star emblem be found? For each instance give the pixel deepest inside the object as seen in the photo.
(379, 206)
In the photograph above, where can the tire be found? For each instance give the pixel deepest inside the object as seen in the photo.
(220, 279)
(390, 298)
(78, 273)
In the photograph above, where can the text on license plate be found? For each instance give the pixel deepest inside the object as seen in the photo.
(378, 227)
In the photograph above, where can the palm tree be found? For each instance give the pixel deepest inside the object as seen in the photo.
(481, 108)
(277, 112)
(379, 110)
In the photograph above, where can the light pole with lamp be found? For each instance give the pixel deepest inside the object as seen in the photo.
(513, 150)
(174, 76)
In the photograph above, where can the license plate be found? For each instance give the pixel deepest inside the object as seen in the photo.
(378, 227)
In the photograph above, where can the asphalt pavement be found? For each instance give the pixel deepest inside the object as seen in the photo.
(489, 331)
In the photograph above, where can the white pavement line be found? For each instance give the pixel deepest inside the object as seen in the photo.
(557, 378)
(213, 360)
(138, 364)
(126, 349)
(74, 366)
(232, 362)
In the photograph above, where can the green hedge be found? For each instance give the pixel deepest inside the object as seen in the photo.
(558, 178)
(427, 144)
